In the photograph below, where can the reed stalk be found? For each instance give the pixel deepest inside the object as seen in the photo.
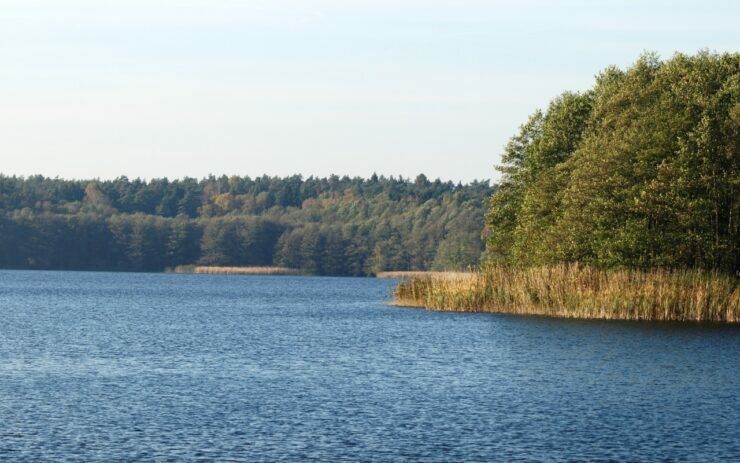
(581, 291)
(422, 274)
(214, 270)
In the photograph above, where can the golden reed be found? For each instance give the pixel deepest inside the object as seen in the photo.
(580, 291)
(214, 270)
(422, 274)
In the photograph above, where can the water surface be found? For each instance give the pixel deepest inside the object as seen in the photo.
(158, 367)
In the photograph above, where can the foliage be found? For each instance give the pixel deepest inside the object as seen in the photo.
(640, 171)
(335, 225)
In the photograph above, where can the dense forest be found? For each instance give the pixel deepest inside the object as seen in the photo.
(640, 171)
(328, 226)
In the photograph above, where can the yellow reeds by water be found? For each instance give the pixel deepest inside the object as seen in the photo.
(579, 291)
(423, 274)
(213, 270)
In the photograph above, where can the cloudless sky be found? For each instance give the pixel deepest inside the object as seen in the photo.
(190, 87)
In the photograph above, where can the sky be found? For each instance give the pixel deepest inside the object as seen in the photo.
(100, 89)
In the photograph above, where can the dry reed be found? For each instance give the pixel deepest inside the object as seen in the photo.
(213, 270)
(578, 291)
(423, 274)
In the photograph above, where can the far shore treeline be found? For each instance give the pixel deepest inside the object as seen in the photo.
(325, 226)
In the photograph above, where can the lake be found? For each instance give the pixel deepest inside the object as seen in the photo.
(171, 367)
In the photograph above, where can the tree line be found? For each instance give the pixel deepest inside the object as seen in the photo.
(642, 170)
(327, 226)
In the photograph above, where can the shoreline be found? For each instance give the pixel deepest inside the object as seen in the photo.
(234, 270)
(186, 270)
(583, 292)
(725, 324)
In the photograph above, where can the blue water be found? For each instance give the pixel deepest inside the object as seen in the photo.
(157, 367)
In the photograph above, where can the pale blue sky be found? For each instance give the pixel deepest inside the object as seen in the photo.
(191, 87)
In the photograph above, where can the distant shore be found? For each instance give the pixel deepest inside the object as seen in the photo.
(270, 270)
(579, 291)
(220, 270)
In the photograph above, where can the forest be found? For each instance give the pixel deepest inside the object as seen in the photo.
(323, 226)
(641, 171)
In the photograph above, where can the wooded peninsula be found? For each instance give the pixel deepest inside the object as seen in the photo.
(616, 202)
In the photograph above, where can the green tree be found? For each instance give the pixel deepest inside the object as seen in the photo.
(640, 171)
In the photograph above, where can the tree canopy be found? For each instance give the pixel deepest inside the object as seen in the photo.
(639, 171)
(334, 225)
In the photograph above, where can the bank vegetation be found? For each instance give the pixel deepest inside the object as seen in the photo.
(622, 201)
(580, 291)
(216, 270)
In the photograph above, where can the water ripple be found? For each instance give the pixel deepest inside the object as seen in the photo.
(150, 367)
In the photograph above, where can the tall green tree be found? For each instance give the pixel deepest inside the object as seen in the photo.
(642, 171)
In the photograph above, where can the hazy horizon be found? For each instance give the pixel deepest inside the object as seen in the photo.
(151, 90)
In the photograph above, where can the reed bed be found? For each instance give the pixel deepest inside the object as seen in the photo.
(213, 270)
(579, 291)
(424, 274)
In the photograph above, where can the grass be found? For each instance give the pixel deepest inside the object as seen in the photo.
(422, 274)
(578, 291)
(212, 270)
